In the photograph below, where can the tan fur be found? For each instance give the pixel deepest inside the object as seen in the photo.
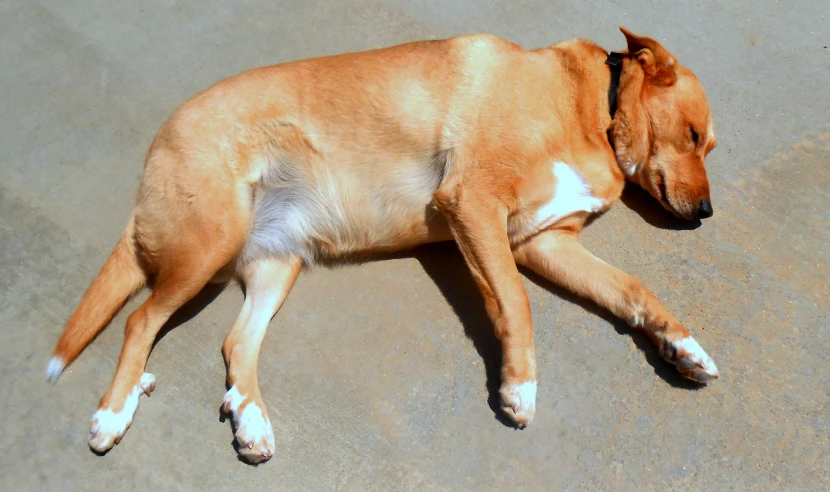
(121, 276)
(388, 149)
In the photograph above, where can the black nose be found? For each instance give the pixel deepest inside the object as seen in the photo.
(704, 209)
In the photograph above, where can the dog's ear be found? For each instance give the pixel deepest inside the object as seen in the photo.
(657, 62)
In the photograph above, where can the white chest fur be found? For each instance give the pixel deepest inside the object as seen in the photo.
(572, 194)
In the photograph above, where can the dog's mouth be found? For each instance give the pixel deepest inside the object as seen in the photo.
(663, 196)
(661, 188)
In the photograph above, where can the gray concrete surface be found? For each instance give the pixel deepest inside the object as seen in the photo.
(380, 376)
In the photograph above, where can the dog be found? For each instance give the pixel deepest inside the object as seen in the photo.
(474, 139)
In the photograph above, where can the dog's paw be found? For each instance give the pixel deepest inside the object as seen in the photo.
(691, 360)
(518, 402)
(108, 427)
(254, 434)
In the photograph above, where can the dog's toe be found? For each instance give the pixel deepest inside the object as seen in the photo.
(254, 434)
(107, 429)
(256, 445)
(691, 360)
(147, 383)
(518, 402)
(101, 442)
(109, 426)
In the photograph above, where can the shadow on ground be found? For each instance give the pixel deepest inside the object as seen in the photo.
(638, 200)
(445, 265)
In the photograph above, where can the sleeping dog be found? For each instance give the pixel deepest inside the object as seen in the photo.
(474, 139)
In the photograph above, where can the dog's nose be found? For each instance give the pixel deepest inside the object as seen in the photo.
(704, 209)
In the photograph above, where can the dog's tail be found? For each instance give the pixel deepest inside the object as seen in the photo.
(121, 276)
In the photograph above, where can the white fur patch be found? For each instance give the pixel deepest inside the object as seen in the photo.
(233, 399)
(54, 369)
(697, 354)
(525, 394)
(628, 166)
(518, 402)
(109, 424)
(572, 194)
(253, 420)
(251, 423)
(638, 317)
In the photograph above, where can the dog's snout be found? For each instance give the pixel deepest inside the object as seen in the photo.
(704, 209)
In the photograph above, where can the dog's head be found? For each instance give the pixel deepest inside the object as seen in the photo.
(662, 130)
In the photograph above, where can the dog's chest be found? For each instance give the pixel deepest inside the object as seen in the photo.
(571, 194)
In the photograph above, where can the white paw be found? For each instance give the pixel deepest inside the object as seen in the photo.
(518, 401)
(108, 427)
(691, 360)
(254, 434)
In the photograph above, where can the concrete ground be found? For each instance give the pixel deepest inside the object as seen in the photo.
(381, 376)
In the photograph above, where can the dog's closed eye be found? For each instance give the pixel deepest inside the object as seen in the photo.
(695, 136)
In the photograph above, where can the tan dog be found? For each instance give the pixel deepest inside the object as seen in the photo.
(475, 139)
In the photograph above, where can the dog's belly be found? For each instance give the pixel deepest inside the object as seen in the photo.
(326, 211)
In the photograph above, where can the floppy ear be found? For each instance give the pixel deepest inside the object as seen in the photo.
(658, 64)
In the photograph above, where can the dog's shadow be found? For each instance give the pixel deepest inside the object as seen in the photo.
(190, 309)
(444, 263)
(665, 370)
(638, 200)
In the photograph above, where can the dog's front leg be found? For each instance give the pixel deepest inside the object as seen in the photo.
(479, 226)
(560, 258)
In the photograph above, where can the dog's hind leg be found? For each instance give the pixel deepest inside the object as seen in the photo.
(191, 230)
(560, 258)
(267, 283)
(175, 285)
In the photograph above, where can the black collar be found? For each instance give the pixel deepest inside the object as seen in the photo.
(614, 62)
